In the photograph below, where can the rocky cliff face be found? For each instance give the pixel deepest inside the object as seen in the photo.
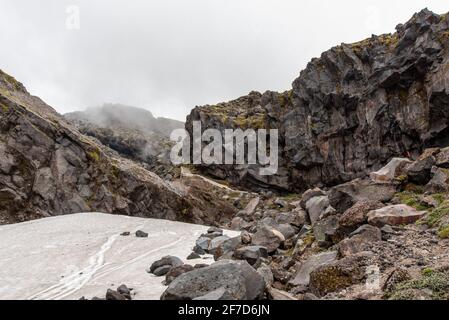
(351, 110)
(47, 168)
(133, 133)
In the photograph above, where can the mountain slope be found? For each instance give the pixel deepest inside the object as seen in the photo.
(132, 132)
(351, 110)
(48, 168)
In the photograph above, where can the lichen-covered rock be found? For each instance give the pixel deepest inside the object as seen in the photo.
(340, 274)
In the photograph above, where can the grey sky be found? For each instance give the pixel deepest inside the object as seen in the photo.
(170, 55)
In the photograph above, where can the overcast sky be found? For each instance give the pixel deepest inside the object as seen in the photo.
(170, 55)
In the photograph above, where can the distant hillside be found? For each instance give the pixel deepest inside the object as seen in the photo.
(132, 132)
(117, 115)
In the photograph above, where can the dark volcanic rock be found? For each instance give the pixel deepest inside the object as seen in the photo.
(251, 254)
(176, 272)
(141, 234)
(238, 278)
(350, 111)
(419, 172)
(163, 266)
(114, 295)
(269, 238)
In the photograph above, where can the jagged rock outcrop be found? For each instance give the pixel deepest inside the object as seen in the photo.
(48, 168)
(350, 111)
(132, 132)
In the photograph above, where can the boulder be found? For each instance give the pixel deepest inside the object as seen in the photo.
(202, 243)
(361, 240)
(164, 265)
(302, 277)
(287, 231)
(317, 208)
(294, 218)
(124, 291)
(419, 171)
(438, 183)
(325, 231)
(391, 171)
(193, 256)
(251, 254)
(162, 271)
(215, 243)
(176, 272)
(114, 295)
(395, 215)
(357, 215)
(338, 275)
(226, 246)
(309, 194)
(238, 278)
(141, 234)
(344, 196)
(269, 238)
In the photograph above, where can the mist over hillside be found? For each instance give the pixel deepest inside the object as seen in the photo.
(119, 115)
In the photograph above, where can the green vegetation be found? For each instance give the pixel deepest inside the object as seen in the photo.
(389, 40)
(411, 199)
(252, 122)
(435, 281)
(12, 81)
(437, 217)
(4, 107)
(94, 155)
(427, 271)
(437, 214)
(443, 233)
(292, 197)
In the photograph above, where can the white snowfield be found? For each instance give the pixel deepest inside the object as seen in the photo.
(68, 257)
